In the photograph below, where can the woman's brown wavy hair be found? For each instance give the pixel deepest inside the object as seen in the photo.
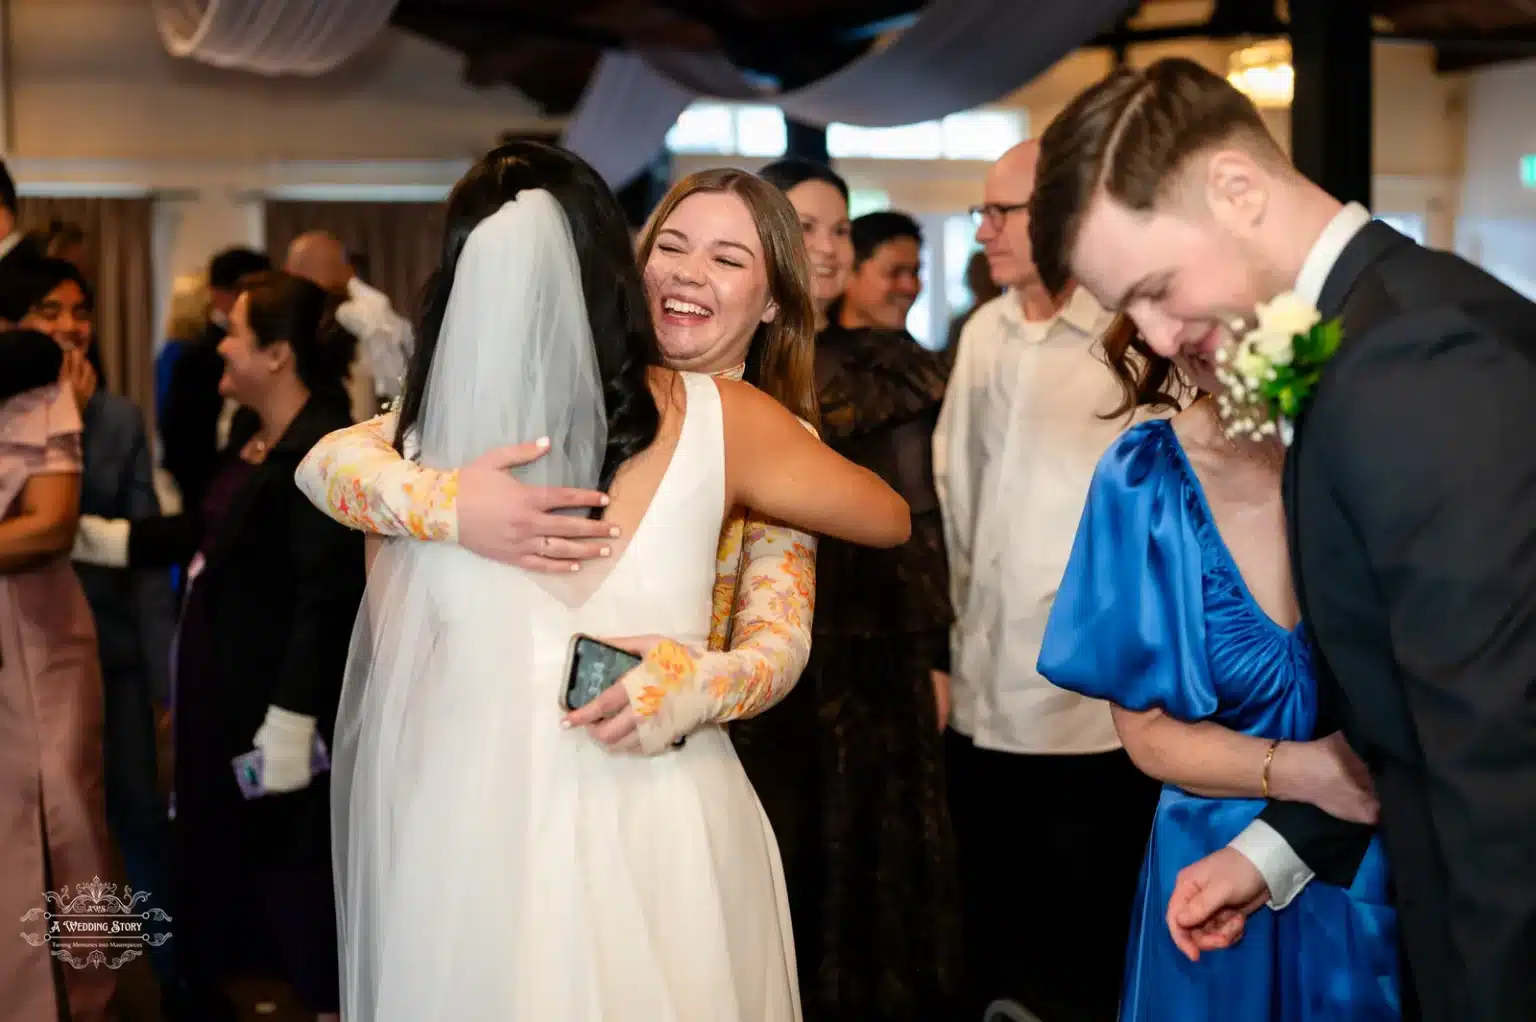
(1147, 379)
(781, 357)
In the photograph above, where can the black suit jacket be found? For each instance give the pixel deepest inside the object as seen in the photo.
(1411, 496)
(283, 583)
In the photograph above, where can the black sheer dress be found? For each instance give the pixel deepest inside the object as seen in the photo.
(849, 767)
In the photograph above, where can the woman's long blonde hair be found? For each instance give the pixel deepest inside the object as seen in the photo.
(781, 357)
(187, 316)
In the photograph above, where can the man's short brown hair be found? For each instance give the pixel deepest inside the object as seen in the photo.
(1131, 134)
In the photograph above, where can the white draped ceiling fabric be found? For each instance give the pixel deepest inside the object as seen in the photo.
(271, 37)
(957, 55)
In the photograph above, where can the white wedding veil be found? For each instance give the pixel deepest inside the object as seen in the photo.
(514, 361)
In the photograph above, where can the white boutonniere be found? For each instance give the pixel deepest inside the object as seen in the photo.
(1272, 367)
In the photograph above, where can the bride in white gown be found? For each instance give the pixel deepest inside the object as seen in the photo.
(492, 866)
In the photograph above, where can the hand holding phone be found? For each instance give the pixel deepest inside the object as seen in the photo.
(594, 667)
(248, 768)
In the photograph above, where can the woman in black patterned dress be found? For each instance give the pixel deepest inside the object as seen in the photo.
(849, 767)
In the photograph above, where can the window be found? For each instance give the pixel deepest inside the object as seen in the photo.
(959, 245)
(983, 134)
(760, 131)
(976, 135)
(912, 141)
(703, 128)
(866, 200)
(722, 129)
(729, 129)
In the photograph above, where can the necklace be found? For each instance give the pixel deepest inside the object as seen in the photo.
(1269, 452)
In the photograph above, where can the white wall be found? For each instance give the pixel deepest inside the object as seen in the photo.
(95, 105)
(1497, 227)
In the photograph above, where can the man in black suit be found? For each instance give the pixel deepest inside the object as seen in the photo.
(189, 423)
(1410, 496)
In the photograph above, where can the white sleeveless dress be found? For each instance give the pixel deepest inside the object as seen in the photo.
(493, 867)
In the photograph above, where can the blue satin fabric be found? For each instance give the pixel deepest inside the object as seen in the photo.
(1152, 612)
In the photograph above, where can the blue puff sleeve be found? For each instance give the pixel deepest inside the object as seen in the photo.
(1128, 623)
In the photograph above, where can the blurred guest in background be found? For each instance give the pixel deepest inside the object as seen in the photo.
(53, 829)
(384, 336)
(887, 268)
(189, 420)
(185, 323)
(820, 197)
(135, 611)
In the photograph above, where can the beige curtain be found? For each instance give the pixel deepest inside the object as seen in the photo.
(119, 240)
(400, 241)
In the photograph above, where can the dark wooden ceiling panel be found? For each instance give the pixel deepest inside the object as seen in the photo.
(548, 48)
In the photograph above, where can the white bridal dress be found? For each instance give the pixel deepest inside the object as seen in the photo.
(491, 866)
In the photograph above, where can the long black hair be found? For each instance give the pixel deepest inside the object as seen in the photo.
(622, 331)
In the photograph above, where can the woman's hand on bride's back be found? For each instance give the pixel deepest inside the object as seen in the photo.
(505, 520)
(782, 470)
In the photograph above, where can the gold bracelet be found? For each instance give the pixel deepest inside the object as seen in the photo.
(1269, 759)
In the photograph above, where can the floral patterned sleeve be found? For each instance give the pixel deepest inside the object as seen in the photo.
(765, 585)
(759, 641)
(356, 476)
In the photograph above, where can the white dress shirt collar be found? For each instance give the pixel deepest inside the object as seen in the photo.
(1081, 313)
(9, 242)
(1326, 250)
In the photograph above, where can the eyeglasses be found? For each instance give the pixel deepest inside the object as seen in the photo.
(994, 214)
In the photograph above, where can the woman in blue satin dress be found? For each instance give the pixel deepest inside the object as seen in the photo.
(1177, 608)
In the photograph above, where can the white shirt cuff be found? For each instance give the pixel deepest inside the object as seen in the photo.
(102, 541)
(1282, 869)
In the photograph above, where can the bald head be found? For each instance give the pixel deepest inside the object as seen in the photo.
(320, 257)
(1014, 171)
(1004, 231)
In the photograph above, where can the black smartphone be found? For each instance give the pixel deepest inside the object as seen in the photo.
(594, 667)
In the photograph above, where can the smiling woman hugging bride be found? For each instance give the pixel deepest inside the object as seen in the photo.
(493, 864)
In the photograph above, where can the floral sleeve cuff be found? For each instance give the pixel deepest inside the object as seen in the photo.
(760, 640)
(356, 476)
(663, 693)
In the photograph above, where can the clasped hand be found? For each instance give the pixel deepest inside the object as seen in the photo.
(1213, 898)
(506, 520)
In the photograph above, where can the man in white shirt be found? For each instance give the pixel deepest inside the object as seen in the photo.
(1410, 493)
(1045, 802)
(384, 337)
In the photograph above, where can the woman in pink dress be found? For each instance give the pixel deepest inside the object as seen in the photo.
(52, 810)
